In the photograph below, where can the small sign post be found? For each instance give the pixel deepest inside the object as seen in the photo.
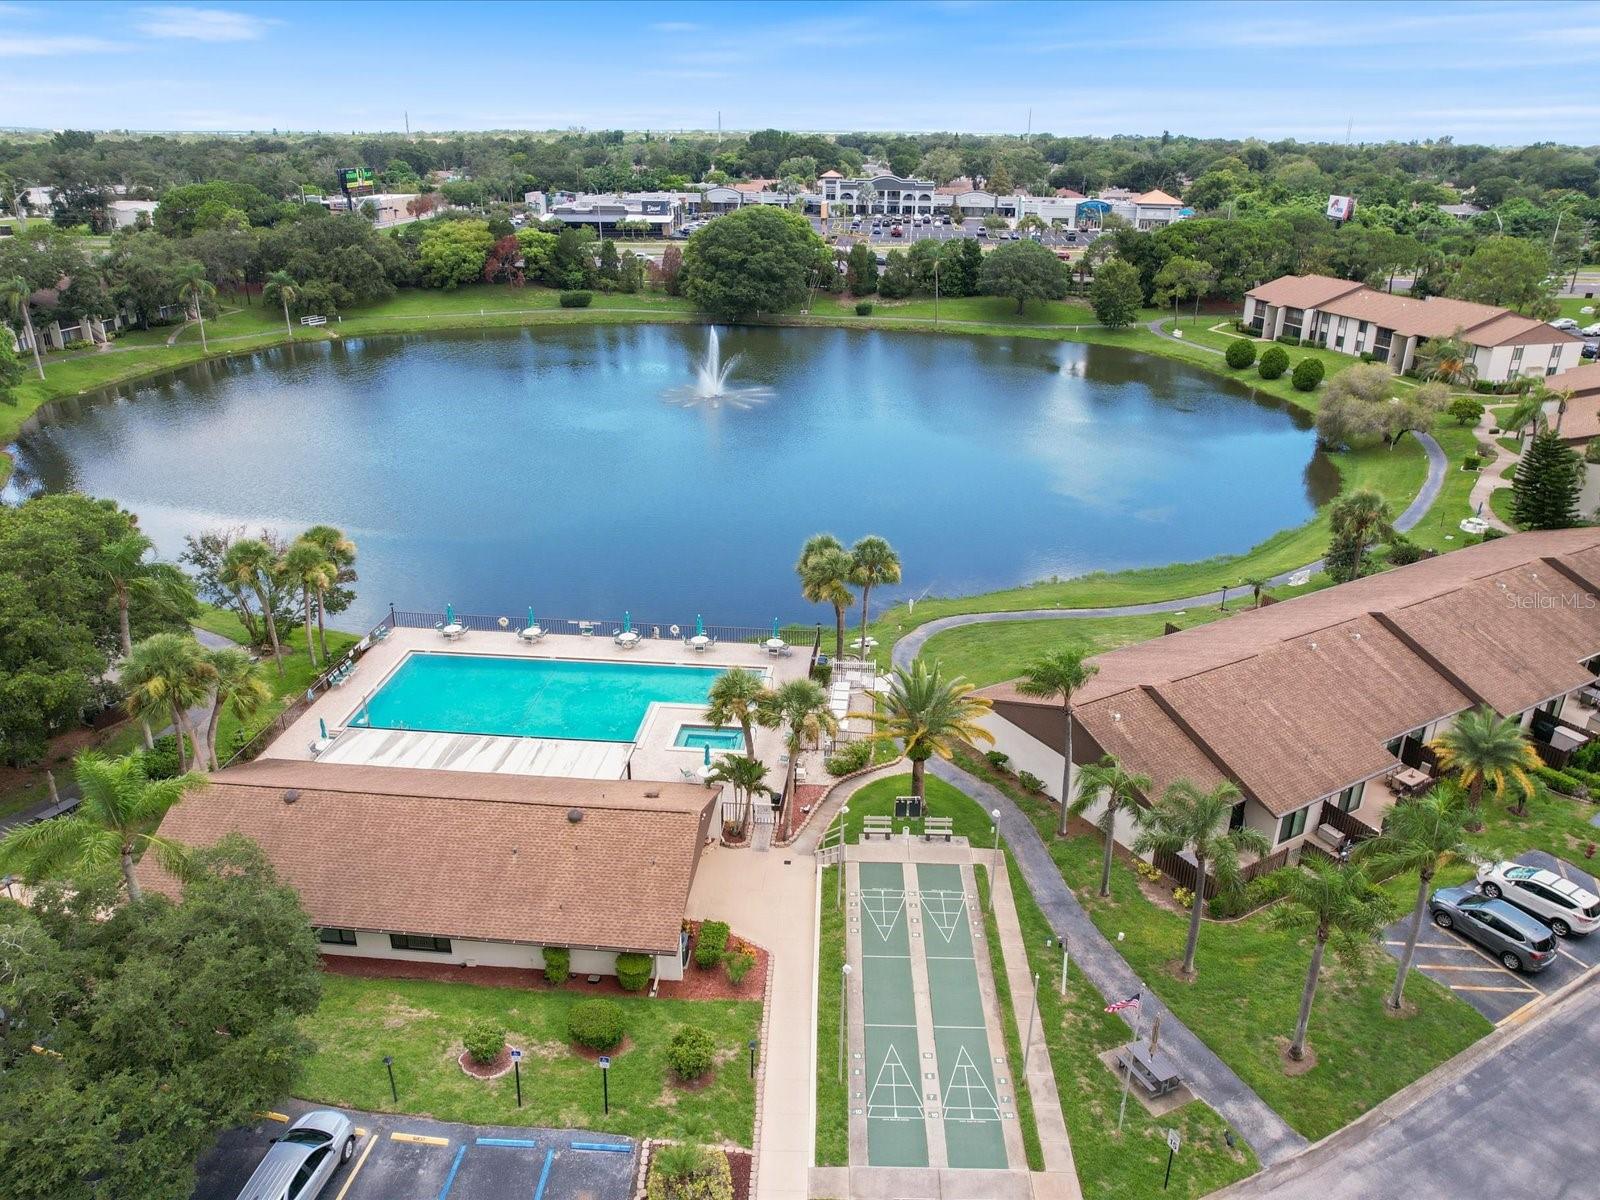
(1174, 1140)
(516, 1068)
(388, 1061)
(605, 1087)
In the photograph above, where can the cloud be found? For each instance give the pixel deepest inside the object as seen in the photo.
(200, 24)
(26, 46)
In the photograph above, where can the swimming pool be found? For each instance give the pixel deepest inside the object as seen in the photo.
(697, 737)
(529, 697)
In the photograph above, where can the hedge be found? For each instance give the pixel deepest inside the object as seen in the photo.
(484, 1041)
(1307, 374)
(1240, 354)
(864, 308)
(1274, 362)
(557, 964)
(691, 1052)
(633, 972)
(688, 1173)
(596, 1024)
(576, 299)
(1263, 889)
(713, 944)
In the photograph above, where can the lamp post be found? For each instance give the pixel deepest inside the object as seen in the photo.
(838, 891)
(388, 1061)
(753, 1044)
(936, 290)
(844, 1013)
(1027, 1042)
(994, 865)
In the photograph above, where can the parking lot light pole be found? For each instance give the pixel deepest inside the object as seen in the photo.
(388, 1061)
(844, 1013)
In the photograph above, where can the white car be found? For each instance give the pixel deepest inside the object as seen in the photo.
(1559, 903)
(1591, 330)
(1565, 324)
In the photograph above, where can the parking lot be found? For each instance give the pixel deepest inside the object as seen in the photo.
(1477, 977)
(413, 1158)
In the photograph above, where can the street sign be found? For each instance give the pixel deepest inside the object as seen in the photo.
(605, 1062)
(1174, 1140)
(516, 1056)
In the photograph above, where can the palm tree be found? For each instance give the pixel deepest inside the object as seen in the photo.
(119, 809)
(929, 714)
(1448, 361)
(1420, 835)
(824, 568)
(1056, 676)
(1358, 520)
(1527, 412)
(341, 552)
(1338, 904)
(746, 775)
(239, 687)
(1187, 818)
(307, 567)
(170, 671)
(17, 295)
(1106, 780)
(1255, 583)
(736, 698)
(250, 563)
(872, 562)
(281, 286)
(1483, 747)
(800, 708)
(121, 563)
(192, 277)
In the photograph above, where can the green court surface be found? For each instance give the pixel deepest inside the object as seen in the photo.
(896, 1135)
(972, 1131)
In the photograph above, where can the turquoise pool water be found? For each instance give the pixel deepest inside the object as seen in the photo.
(698, 737)
(529, 697)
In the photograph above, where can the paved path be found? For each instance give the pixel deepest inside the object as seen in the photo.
(908, 647)
(1490, 478)
(1207, 1075)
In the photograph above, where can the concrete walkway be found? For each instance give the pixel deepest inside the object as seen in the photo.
(1269, 1135)
(1490, 478)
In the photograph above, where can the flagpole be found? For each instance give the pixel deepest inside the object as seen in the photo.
(1127, 1067)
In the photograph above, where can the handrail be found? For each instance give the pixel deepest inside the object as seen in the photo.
(794, 633)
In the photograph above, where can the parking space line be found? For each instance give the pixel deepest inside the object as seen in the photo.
(421, 1139)
(1484, 987)
(603, 1147)
(1565, 953)
(544, 1175)
(526, 1143)
(1492, 968)
(275, 1116)
(356, 1170)
(450, 1179)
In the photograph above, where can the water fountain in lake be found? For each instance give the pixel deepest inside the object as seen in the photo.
(711, 387)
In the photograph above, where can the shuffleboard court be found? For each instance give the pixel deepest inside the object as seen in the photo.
(896, 1134)
(970, 1107)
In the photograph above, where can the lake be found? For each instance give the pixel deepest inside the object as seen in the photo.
(546, 466)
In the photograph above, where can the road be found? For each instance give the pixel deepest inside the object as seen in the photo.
(1503, 1119)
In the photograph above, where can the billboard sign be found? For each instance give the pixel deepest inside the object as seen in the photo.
(1341, 208)
(355, 180)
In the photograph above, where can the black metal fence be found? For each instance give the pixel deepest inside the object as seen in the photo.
(795, 635)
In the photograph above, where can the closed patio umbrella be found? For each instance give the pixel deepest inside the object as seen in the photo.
(627, 621)
(774, 627)
(699, 626)
(449, 614)
(706, 757)
(322, 728)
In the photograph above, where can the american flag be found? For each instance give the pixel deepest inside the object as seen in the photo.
(1131, 1002)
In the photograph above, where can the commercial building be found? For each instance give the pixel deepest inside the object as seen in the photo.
(1350, 317)
(125, 214)
(882, 195)
(1311, 705)
(604, 213)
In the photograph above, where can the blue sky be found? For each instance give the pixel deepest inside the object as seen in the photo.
(1493, 72)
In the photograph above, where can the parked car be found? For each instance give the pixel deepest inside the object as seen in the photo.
(1592, 330)
(982, 232)
(1590, 350)
(300, 1163)
(896, 231)
(1559, 903)
(1511, 935)
(1565, 324)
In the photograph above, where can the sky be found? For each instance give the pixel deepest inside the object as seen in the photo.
(1501, 73)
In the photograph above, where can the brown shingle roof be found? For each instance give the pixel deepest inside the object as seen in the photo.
(1302, 291)
(1578, 380)
(1296, 706)
(1441, 316)
(462, 854)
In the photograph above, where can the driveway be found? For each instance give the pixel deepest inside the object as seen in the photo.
(1477, 977)
(414, 1158)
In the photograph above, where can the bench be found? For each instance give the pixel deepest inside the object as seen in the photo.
(938, 827)
(876, 827)
(1156, 1076)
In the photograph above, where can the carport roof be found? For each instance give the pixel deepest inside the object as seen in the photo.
(460, 854)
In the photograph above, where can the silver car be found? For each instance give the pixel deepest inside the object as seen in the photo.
(302, 1161)
(1511, 935)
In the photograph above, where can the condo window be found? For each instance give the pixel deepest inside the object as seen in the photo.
(414, 941)
(336, 937)
(1293, 825)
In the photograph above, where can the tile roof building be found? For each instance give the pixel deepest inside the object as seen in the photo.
(1581, 421)
(1353, 318)
(464, 868)
(1304, 703)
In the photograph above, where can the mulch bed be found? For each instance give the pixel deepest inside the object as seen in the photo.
(616, 1051)
(741, 1164)
(500, 1066)
(700, 984)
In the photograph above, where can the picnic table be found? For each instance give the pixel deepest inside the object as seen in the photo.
(1408, 780)
(1157, 1074)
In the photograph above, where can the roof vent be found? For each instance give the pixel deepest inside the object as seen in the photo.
(652, 794)
(574, 815)
(290, 796)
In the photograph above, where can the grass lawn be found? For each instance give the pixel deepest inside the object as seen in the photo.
(1245, 1000)
(1111, 1166)
(1009, 1025)
(421, 1024)
(833, 1093)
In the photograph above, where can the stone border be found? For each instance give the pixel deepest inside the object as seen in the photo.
(761, 1074)
(794, 834)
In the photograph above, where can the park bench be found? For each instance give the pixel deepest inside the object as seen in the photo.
(876, 827)
(1158, 1075)
(938, 827)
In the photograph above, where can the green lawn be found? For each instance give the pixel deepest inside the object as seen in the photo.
(421, 1024)
(833, 1093)
(1010, 1025)
(1111, 1165)
(1244, 1002)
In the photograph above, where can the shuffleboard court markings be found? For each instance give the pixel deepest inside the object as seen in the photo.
(884, 909)
(946, 912)
(968, 1097)
(895, 1112)
(894, 1095)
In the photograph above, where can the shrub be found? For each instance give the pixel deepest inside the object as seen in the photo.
(557, 964)
(850, 757)
(1263, 889)
(691, 1052)
(1557, 781)
(1241, 354)
(1465, 410)
(1471, 463)
(997, 759)
(688, 1173)
(1367, 356)
(863, 308)
(712, 944)
(1307, 374)
(823, 672)
(1274, 362)
(1403, 551)
(633, 972)
(161, 760)
(1287, 339)
(596, 1024)
(1183, 897)
(1147, 871)
(484, 1041)
(1030, 781)
(576, 299)
(1587, 757)
(1591, 452)
(738, 965)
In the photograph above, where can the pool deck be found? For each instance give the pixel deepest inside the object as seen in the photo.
(653, 755)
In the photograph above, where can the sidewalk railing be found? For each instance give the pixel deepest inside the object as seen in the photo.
(754, 635)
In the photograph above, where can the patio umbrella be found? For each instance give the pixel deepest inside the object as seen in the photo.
(449, 614)
(529, 625)
(699, 626)
(627, 621)
(774, 627)
(322, 728)
(706, 757)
